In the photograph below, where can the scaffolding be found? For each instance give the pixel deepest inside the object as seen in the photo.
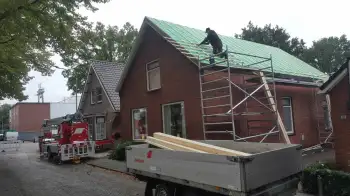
(223, 110)
(261, 117)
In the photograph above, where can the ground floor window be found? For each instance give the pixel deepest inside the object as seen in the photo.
(288, 114)
(174, 119)
(90, 122)
(139, 123)
(100, 128)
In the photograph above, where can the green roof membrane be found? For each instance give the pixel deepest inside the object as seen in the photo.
(283, 63)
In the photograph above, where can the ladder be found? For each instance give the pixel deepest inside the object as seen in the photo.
(216, 100)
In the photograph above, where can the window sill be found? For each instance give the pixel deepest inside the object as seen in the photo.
(152, 90)
(99, 102)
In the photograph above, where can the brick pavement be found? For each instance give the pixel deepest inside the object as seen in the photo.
(24, 174)
(106, 163)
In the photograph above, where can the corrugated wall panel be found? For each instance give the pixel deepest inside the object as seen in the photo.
(61, 109)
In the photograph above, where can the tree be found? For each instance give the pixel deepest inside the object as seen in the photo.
(106, 43)
(31, 31)
(273, 36)
(327, 54)
(4, 116)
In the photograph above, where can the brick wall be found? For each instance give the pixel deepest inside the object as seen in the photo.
(341, 123)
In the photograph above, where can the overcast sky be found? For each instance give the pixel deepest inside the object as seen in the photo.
(310, 20)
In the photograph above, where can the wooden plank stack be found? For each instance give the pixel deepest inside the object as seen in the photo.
(170, 142)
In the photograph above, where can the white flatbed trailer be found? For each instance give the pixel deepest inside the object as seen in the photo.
(271, 169)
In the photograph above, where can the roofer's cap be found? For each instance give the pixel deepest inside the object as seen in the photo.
(207, 30)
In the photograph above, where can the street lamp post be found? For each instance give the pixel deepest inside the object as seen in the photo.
(76, 88)
(76, 93)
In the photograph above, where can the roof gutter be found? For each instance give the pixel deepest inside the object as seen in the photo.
(297, 82)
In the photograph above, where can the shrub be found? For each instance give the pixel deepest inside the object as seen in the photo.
(334, 183)
(118, 152)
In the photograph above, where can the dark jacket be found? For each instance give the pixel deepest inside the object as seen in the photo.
(212, 39)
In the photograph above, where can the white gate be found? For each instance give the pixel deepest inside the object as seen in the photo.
(10, 145)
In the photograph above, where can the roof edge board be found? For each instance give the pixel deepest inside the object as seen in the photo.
(85, 89)
(133, 52)
(334, 82)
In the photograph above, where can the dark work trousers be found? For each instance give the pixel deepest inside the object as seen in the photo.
(217, 49)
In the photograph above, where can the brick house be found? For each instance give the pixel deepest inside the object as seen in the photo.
(160, 90)
(337, 87)
(99, 103)
(27, 118)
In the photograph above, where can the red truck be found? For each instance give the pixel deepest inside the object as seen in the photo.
(65, 139)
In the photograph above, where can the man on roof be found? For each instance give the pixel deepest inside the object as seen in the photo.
(214, 40)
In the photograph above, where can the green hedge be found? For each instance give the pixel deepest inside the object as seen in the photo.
(335, 183)
(118, 152)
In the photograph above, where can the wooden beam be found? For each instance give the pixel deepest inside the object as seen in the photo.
(169, 145)
(273, 105)
(158, 145)
(198, 145)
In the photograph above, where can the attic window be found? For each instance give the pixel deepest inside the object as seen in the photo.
(153, 76)
(92, 96)
(99, 94)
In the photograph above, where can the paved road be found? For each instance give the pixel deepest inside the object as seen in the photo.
(24, 174)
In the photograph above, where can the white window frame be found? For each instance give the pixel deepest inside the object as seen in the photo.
(97, 127)
(133, 122)
(183, 116)
(148, 71)
(289, 132)
(96, 91)
(92, 96)
(91, 122)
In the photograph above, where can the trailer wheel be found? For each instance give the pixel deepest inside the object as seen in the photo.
(57, 160)
(164, 190)
(49, 154)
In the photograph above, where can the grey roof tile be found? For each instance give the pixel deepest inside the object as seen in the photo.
(109, 74)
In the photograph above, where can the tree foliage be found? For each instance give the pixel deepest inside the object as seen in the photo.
(325, 54)
(4, 116)
(31, 31)
(273, 36)
(106, 43)
(328, 53)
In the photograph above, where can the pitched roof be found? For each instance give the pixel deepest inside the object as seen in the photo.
(335, 78)
(108, 75)
(187, 38)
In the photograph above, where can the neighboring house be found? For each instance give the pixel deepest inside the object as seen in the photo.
(27, 118)
(160, 89)
(337, 87)
(99, 103)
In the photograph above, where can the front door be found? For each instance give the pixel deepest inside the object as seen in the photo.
(174, 119)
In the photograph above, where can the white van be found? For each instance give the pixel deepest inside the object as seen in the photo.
(11, 136)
